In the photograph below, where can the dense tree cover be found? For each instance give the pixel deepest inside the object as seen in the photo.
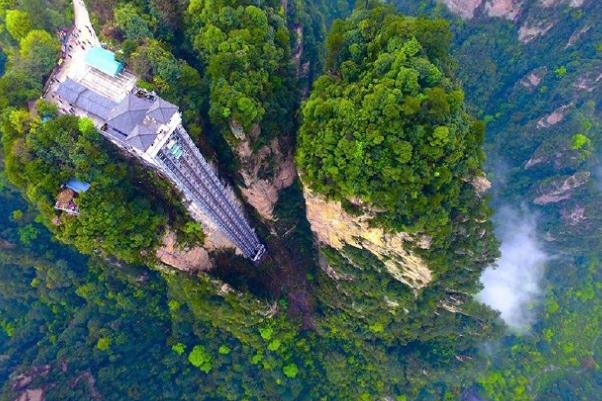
(386, 126)
(18, 23)
(246, 52)
(25, 37)
(194, 338)
(559, 359)
(41, 157)
(188, 338)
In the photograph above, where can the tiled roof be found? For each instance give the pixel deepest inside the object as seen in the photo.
(128, 113)
(85, 99)
(143, 136)
(162, 111)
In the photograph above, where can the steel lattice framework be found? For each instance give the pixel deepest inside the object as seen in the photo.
(180, 160)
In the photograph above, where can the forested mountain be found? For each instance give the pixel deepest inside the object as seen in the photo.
(531, 70)
(361, 138)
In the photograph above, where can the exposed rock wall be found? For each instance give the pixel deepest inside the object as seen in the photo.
(464, 8)
(184, 259)
(555, 117)
(533, 79)
(561, 188)
(529, 32)
(532, 24)
(509, 9)
(336, 228)
(264, 172)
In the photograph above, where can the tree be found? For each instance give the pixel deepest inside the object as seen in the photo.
(390, 130)
(132, 23)
(38, 52)
(291, 370)
(199, 358)
(18, 23)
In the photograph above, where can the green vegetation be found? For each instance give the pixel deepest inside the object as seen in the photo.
(103, 343)
(579, 141)
(386, 126)
(18, 23)
(560, 72)
(290, 370)
(40, 157)
(384, 131)
(246, 52)
(178, 348)
(559, 359)
(199, 358)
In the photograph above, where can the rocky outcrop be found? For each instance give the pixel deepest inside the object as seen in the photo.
(553, 118)
(553, 3)
(301, 68)
(574, 215)
(20, 383)
(480, 184)
(577, 35)
(4, 244)
(533, 79)
(561, 188)
(188, 260)
(464, 8)
(336, 228)
(530, 31)
(556, 154)
(509, 9)
(36, 394)
(589, 81)
(264, 172)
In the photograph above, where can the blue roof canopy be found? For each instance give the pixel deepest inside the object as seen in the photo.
(103, 60)
(77, 186)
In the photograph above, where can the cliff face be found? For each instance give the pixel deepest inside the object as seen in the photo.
(265, 171)
(545, 135)
(509, 9)
(188, 260)
(334, 227)
(535, 19)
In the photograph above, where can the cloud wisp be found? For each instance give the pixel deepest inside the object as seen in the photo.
(514, 283)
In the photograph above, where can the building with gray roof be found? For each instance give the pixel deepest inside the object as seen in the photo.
(136, 120)
(85, 99)
(151, 128)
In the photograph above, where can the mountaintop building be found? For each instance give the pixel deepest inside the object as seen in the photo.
(151, 128)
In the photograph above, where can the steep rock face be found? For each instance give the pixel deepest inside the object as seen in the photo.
(467, 9)
(464, 8)
(336, 228)
(184, 259)
(560, 189)
(589, 81)
(531, 30)
(552, 3)
(558, 156)
(555, 117)
(533, 79)
(509, 9)
(264, 172)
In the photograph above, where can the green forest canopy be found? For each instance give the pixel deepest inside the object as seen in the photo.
(386, 125)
